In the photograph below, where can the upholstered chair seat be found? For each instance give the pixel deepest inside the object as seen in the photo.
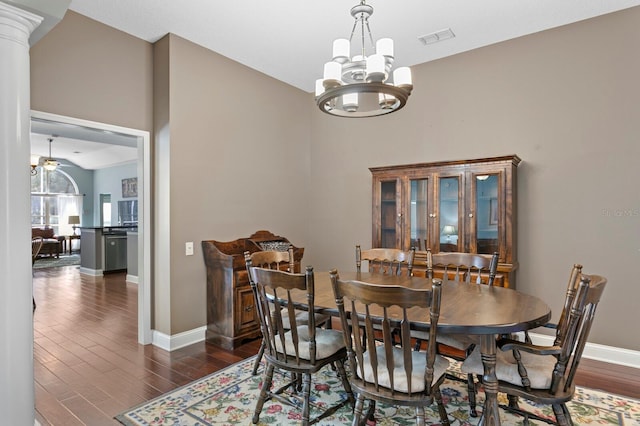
(400, 379)
(328, 342)
(539, 367)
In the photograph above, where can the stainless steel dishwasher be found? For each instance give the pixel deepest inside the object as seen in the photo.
(115, 251)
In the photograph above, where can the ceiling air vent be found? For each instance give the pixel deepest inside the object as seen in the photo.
(436, 37)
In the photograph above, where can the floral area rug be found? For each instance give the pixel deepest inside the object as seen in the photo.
(228, 397)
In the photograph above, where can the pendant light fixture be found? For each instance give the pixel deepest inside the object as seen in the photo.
(50, 164)
(358, 85)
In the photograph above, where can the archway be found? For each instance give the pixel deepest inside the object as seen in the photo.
(69, 124)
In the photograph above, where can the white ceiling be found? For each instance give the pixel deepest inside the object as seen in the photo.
(290, 40)
(84, 147)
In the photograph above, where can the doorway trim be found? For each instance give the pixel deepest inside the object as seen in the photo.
(144, 210)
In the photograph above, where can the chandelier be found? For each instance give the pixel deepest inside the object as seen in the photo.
(358, 86)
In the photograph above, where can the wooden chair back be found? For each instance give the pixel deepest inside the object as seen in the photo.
(386, 260)
(273, 294)
(572, 288)
(36, 246)
(573, 332)
(464, 267)
(417, 244)
(374, 361)
(282, 260)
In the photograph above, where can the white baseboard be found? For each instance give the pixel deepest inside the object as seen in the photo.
(133, 279)
(180, 340)
(593, 351)
(92, 272)
(598, 352)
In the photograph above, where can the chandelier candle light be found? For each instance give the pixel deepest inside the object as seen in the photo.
(357, 86)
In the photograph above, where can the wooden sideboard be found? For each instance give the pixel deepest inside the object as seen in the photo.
(231, 313)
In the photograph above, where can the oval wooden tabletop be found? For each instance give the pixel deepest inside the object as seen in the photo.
(465, 309)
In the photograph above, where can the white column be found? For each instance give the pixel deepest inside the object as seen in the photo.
(16, 322)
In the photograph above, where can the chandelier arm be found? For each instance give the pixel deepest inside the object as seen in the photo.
(362, 24)
(373, 45)
(353, 30)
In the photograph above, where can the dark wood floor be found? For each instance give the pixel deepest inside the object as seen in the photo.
(89, 366)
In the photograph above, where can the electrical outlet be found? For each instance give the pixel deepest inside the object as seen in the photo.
(188, 248)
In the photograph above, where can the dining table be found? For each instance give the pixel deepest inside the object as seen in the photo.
(466, 308)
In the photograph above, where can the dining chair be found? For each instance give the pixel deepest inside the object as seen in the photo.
(381, 370)
(466, 268)
(281, 260)
(386, 260)
(302, 349)
(544, 374)
(36, 246)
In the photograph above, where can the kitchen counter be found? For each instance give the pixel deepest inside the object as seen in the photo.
(104, 249)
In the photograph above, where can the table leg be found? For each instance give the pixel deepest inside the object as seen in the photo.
(490, 413)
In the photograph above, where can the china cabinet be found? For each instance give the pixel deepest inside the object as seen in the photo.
(466, 206)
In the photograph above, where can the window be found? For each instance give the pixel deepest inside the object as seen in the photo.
(54, 197)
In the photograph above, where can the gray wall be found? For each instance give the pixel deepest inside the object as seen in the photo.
(109, 181)
(87, 70)
(564, 100)
(229, 163)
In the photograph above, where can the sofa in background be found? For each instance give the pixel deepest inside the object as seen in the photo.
(51, 245)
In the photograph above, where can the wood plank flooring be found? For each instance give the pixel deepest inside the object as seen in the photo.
(89, 366)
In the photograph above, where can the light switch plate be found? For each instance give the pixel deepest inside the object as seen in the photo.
(188, 248)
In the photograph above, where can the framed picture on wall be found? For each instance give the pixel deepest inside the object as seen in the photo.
(130, 187)
(493, 211)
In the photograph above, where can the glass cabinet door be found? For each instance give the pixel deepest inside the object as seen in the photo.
(418, 213)
(449, 212)
(487, 212)
(389, 213)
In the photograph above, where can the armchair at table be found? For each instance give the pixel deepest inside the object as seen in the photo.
(544, 374)
(51, 244)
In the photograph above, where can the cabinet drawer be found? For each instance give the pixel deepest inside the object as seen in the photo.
(245, 309)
